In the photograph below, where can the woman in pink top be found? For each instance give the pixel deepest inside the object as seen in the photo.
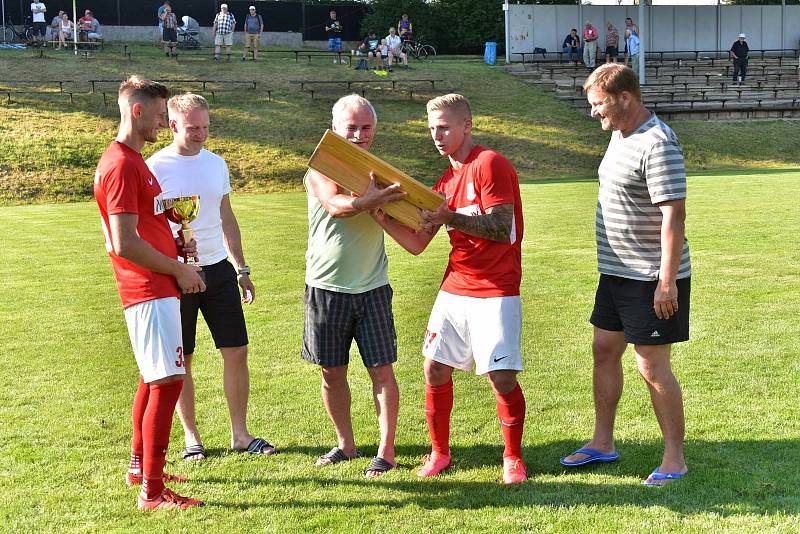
(612, 43)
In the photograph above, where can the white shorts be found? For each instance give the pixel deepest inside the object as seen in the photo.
(226, 39)
(154, 327)
(485, 333)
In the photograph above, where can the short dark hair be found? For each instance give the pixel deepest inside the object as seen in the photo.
(574, 30)
(139, 89)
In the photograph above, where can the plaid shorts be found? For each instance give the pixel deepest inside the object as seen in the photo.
(334, 319)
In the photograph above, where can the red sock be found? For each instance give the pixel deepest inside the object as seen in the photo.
(511, 412)
(438, 405)
(139, 405)
(156, 426)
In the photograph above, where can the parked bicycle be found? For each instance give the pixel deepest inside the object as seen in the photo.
(418, 49)
(11, 34)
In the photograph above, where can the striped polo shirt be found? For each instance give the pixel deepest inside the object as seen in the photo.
(637, 173)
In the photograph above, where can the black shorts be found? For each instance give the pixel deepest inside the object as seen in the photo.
(40, 28)
(221, 306)
(170, 35)
(334, 319)
(626, 305)
(612, 51)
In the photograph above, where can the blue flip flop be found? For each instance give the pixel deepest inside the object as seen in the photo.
(594, 456)
(664, 478)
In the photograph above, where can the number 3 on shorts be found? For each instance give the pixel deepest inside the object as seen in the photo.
(179, 361)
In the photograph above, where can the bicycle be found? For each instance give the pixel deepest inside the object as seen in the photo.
(10, 32)
(423, 52)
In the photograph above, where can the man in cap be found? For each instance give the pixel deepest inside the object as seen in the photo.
(739, 52)
(222, 31)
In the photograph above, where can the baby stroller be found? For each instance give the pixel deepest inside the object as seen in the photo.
(188, 34)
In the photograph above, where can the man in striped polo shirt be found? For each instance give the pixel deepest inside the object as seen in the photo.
(643, 258)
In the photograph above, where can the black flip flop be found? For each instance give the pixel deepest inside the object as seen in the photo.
(193, 451)
(380, 466)
(337, 455)
(259, 447)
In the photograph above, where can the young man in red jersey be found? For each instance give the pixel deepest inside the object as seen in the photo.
(477, 317)
(150, 280)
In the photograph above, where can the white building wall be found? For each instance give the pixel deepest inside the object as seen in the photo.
(673, 27)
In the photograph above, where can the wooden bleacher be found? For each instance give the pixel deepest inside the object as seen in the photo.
(689, 85)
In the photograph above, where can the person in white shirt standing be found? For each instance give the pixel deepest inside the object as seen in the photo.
(185, 168)
(38, 10)
(395, 45)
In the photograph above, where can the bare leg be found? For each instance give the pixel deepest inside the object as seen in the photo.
(387, 401)
(236, 382)
(665, 393)
(607, 348)
(185, 408)
(336, 397)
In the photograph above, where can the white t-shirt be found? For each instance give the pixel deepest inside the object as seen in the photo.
(392, 41)
(38, 17)
(205, 175)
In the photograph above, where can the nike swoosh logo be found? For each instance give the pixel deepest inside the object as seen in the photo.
(498, 359)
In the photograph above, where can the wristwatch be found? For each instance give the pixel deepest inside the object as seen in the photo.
(243, 270)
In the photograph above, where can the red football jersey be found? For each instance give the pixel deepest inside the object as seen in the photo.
(124, 184)
(481, 267)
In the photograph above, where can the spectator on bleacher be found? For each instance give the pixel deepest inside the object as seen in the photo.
(170, 34)
(590, 36)
(632, 45)
(55, 27)
(612, 43)
(739, 52)
(38, 9)
(65, 29)
(395, 45)
(369, 47)
(334, 30)
(159, 13)
(405, 28)
(222, 31)
(383, 50)
(89, 27)
(572, 46)
(253, 28)
(629, 25)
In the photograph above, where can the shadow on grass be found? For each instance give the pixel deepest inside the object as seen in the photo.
(726, 478)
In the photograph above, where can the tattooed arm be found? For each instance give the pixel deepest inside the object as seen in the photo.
(495, 225)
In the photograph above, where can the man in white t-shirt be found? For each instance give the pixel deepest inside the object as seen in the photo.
(185, 168)
(38, 10)
(395, 45)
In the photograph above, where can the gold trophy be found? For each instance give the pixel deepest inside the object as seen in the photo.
(183, 210)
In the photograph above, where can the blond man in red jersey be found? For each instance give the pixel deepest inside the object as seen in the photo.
(150, 280)
(476, 320)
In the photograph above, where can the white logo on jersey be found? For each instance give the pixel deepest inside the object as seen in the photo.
(470, 191)
(655, 334)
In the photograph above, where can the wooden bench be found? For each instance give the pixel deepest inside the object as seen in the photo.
(204, 83)
(109, 96)
(9, 92)
(350, 83)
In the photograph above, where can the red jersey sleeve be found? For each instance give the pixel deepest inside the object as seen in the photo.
(121, 184)
(497, 179)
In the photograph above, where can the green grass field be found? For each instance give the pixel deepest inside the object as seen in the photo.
(69, 376)
(49, 147)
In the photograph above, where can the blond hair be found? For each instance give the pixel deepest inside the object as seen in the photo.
(450, 102)
(350, 102)
(182, 104)
(138, 89)
(614, 79)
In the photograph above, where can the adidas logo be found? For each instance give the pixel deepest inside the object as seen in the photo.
(655, 334)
